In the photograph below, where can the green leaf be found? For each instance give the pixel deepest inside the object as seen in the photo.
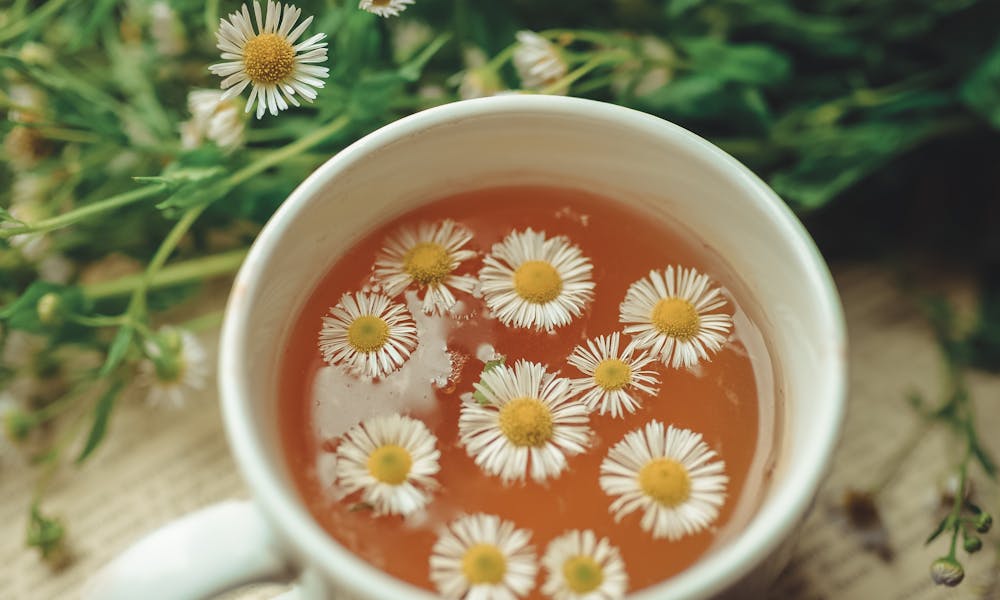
(757, 64)
(981, 89)
(487, 367)
(677, 8)
(102, 413)
(834, 158)
(938, 530)
(687, 96)
(984, 459)
(117, 350)
(167, 297)
(373, 94)
(45, 533)
(175, 177)
(190, 186)
(97, 13)
(493, 364)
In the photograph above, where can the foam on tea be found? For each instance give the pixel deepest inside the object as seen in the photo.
(528, 391)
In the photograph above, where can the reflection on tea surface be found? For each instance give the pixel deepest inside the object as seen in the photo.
(528, 391)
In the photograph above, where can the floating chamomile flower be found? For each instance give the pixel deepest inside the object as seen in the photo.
(581, 567)
(528, 421)
(426, 256)
(177, 366)
(480, 557)
(668, 314)
(539, 63)
(392, 460)
(612, 376)
(368, 333)
(670, 475)
(529, 280)
(384, 8)
(269, 59)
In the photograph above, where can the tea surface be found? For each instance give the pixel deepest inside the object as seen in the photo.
(727, 399)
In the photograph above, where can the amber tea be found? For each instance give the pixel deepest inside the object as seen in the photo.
(529, 392)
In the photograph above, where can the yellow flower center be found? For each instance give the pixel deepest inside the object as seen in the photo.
(427, 263)
(537, 281)
(676, 318)
(484, 563)
(268, 58)
(367, 333)
(612, 374)
(666, 481)
(390, 464)
(582, 574)
(526, 422)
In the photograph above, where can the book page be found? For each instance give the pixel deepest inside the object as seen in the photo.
(157, 465)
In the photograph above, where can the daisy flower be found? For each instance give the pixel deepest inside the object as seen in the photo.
(479, 79)
(391, 459)
(612, 376)
(212, 118)
(166, 29)
(480, 557)
(368, 333)
(176, 366)
(426, 256)
(671, 476)
(528, 421)
(538, 62)
(529, 280)
(384, 8)
(582, 567)
(669, 313)
(269, 58)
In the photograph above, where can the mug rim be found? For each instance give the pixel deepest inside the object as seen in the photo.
(772, 522)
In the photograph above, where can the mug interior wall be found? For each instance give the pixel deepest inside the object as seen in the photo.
(672, 175)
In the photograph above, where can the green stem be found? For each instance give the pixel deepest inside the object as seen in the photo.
(195, 269)
(137, 305)
(413, 68)
(52, 464)
(592, 84)
(590, 65)
(65, 134)
(38, 15)
(211, 15)
(503, 56)
(285, 152)
(94, 208)
(594, 37)
(203, 322)
(959, 502)
(98, 320)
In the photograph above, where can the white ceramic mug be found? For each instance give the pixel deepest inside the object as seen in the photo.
(623, 154)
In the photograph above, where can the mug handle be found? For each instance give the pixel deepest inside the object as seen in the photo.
(212, 550)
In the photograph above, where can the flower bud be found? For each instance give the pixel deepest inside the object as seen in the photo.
(48, 309)
(972, 544)
(983, 522)
(947, 571)
(17, 425)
